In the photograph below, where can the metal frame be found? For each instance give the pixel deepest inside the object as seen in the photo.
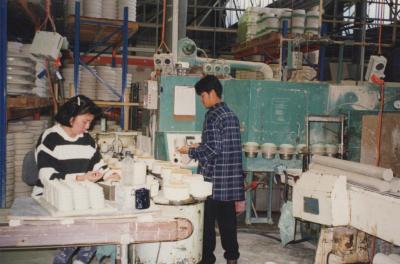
(325, 119)
(3, 103)
(249, 201)
(77, 56)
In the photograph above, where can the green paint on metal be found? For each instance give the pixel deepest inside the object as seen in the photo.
(274, 111)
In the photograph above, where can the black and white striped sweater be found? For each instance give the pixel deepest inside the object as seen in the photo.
(58, 156)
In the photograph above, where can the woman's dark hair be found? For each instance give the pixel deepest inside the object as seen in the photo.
(208, 83)
(77, 105)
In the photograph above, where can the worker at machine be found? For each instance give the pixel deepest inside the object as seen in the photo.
(220, 162)
(67, 151)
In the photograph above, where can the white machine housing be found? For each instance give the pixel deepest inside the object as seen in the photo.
(321, 198)
(177, 140)
(340, 203)
(376, 66)
(165, 63)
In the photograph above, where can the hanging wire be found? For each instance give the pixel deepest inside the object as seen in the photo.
(162, 43)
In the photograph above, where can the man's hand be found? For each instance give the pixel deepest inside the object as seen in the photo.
(185, 149)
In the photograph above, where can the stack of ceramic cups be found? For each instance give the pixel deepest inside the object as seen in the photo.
(131, 4)
(10, 178)
(93, 8)
(109, 75)
(109, 9)
(23, 144)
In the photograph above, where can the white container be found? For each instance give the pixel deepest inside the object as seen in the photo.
(298, 21)
(312, 23)
(139, 173)
(127, 170)
(188, 250)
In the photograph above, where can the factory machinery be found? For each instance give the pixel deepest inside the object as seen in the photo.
(281, 124)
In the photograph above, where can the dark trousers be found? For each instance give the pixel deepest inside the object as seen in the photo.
(84, 254)
(225, 215)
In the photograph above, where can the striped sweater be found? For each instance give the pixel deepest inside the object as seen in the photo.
(58, 156)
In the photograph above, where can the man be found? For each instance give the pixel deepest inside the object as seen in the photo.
(220, 162)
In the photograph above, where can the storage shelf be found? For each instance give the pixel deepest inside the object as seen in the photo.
(25, 105)
(269, 44)
(95, 29)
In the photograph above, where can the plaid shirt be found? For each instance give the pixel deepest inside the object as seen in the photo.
(220, 153)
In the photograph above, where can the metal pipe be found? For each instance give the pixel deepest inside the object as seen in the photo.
(353, 22)
(192, 28)
(339, 74)
(157, 21)
(394, 31)
(242, 65)
(76, 46)
(124, 64)
(3, 102)
(363, 36)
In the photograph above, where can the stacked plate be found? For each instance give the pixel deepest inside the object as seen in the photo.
(131, 4)
(109, 9)
(36, 127)
(23, 142)
(88, 83)
(68, 75)
(20, 79)
(70, 8)
(10, 178)
(109, 75)
(14, 47)
(93, 8)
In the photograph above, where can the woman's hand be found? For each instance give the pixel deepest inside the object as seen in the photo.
(112, 176)
(92, 176)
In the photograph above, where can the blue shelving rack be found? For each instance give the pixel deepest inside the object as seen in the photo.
(77, 61)
(3, 103)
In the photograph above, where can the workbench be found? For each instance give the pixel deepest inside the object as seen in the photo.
(29, 225)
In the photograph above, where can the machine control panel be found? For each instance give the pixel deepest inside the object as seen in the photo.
(151, 95)
(178, 140)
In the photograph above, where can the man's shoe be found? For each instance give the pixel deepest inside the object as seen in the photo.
(231, 261)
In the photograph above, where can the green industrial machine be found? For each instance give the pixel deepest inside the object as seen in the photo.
(271, 111)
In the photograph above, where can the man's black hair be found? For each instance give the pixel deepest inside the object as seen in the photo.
(77, 105)
(208, 83)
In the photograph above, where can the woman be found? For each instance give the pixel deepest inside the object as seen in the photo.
(67, 151)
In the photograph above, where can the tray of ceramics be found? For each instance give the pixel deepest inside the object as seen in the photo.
(108, 208)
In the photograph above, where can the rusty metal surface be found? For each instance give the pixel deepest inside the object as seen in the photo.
(81, 232)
